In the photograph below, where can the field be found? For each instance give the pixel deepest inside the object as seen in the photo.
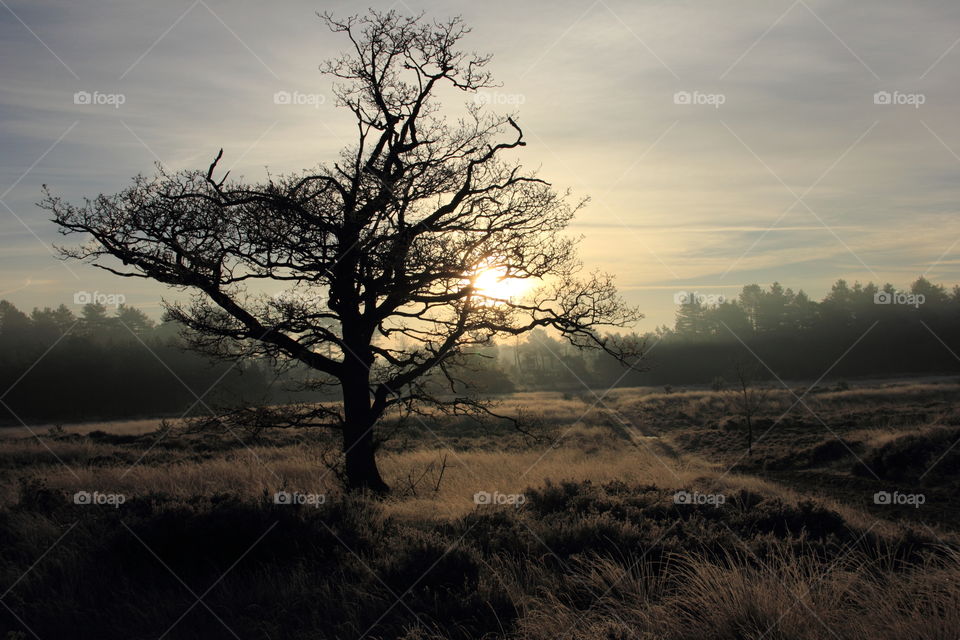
(632, 514)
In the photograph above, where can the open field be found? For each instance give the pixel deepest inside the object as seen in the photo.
(590, 539)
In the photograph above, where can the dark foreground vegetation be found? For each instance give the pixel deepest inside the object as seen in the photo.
(576, 561)
(798, 549)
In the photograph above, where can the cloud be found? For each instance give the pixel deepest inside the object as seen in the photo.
(682, 190)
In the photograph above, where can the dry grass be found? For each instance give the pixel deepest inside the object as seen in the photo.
(586, 453)
(787, 596)
(473, 471)
(119, 427)
(589, 436)
(604, 563)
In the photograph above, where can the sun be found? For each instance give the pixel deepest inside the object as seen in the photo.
(497, 286)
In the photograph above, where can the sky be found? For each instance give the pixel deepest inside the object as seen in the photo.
(721, 143)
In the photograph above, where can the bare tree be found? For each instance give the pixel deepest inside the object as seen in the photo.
(748, 397)
(379, 253)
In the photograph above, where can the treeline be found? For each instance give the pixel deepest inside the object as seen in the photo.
(57, 366)
(855, 331)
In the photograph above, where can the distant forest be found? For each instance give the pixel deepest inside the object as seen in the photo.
(56, 366)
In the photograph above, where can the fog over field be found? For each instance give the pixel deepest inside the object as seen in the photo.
(439, 321)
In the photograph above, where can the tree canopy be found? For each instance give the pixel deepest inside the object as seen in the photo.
(379, 252)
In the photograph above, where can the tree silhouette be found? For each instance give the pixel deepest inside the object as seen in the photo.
(748, 397)
(386, 243)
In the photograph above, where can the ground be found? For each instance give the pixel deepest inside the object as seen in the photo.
(635, 513)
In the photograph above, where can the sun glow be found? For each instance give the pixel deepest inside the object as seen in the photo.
(495, 284)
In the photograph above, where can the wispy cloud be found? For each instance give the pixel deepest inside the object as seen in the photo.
(694, 126)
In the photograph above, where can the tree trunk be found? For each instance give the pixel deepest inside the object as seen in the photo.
(361, 461)
(358, 445)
